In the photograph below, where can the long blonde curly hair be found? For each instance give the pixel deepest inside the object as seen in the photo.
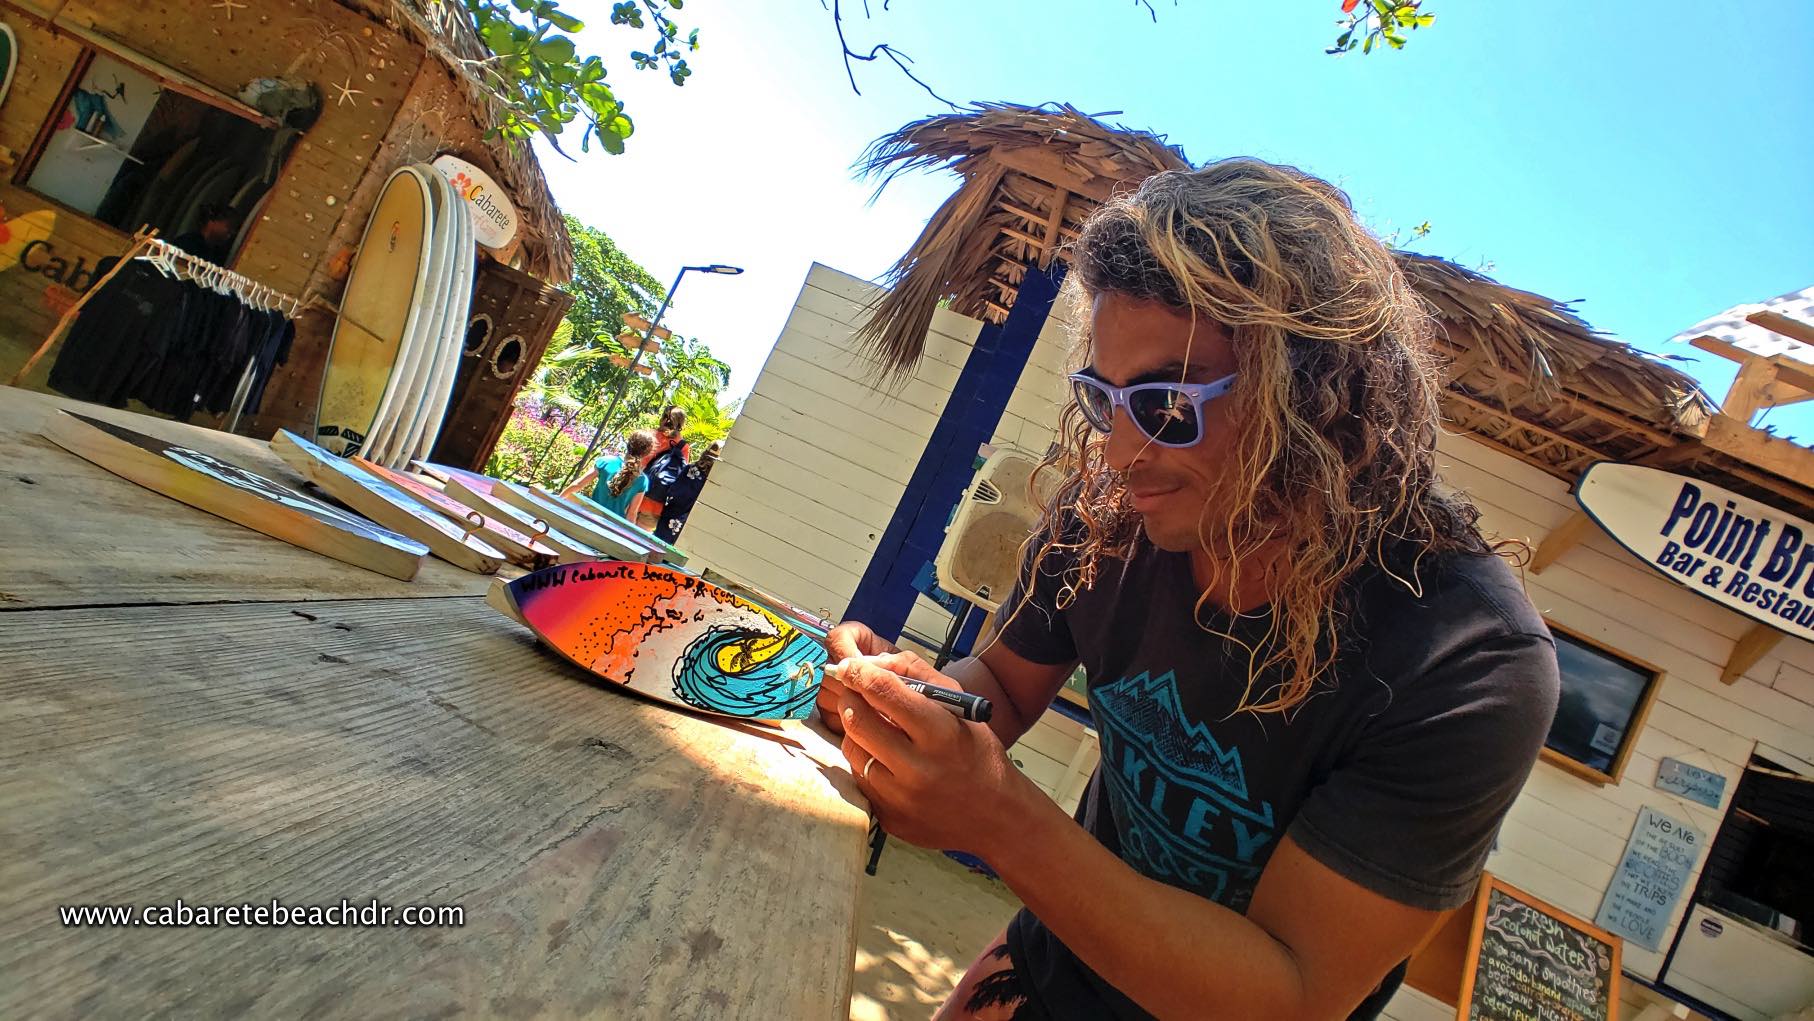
(1335, 400)
(636, 448)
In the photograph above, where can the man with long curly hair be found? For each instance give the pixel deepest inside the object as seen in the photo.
(1318, 687)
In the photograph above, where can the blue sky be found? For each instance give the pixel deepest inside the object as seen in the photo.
(1654, 159)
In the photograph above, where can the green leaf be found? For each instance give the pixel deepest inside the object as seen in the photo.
(1396, 42)
(499, 37)
(1367, 47)
(613, 144)
(1425, 20)
(677, 4)
(524, 5)
(556, 49)
(559, 18)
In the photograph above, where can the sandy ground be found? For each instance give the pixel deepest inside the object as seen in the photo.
(920, 921)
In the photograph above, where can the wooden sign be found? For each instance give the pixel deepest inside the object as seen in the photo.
(1650, 878)
(641, 325)
(242, 497)
(522, 549)
(1529, 960)
(1742, 554)
(633, 341)
(670, 636)
(494, 218)
(1703, 786)
(386, 504)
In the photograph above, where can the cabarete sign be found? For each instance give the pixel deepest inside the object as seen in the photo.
(1733, 550)
(494, 219)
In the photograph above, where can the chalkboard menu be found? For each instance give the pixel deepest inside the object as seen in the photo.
(1530, 961)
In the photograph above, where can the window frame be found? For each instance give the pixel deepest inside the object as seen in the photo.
(1628, 741)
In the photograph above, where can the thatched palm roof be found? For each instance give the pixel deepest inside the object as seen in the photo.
(445, 30)
(1526, 374)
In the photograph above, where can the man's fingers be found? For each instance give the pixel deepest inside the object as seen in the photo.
(872, 735)
(912, 666)
(920, 718)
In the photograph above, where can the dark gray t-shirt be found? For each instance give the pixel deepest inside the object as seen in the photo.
(1395, 775)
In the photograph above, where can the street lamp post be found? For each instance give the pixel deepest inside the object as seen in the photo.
(636, 359)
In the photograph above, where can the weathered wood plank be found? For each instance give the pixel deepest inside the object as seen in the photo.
(613, 858)
(75, 534)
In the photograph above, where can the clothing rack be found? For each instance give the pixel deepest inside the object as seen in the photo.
(173, 261)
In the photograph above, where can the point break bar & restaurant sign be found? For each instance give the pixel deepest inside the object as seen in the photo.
(1731, 549)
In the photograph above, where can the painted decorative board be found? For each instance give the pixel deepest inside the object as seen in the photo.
(671, 553)
(386, 504)
(572, 521)
(671, 636)
(523, 550)
(378, 311)
(479, 498)
(219, 487)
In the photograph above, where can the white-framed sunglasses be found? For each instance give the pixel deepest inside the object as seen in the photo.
(1169, 414)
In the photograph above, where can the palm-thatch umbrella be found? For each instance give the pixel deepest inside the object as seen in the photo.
(1526, 374)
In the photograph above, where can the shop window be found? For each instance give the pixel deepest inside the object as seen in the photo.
(132, 153)
(1605, 697)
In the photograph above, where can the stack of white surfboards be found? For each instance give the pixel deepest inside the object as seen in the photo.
(397, 344)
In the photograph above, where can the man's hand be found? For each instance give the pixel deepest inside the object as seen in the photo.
(846, 641)
(933, 779)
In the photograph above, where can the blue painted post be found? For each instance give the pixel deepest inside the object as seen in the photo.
(886, 594)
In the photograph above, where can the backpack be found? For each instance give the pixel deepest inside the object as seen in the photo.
(664, 471)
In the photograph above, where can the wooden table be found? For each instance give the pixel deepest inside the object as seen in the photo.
(190, 710)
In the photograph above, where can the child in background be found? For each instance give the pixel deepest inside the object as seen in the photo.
(618, 481)
(663, 467)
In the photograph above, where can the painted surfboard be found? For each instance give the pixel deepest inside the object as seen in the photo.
(670, 636)
(453, 341)
(574, 522)
(481, 500)
(386, 504)
(403, 392)
(671, 553)
(246, 498)
(382, 302)
(522, 549)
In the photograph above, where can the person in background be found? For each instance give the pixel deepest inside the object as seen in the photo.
(618, 480)
(213, 239)
(664, 467)
(684, 493)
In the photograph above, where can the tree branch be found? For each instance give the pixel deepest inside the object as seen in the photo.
(899, 59)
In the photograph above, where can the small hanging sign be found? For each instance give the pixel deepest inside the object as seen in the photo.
(494, 219)
(1703, 786)
(1738, 552)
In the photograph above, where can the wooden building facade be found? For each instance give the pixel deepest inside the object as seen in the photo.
(291, 114)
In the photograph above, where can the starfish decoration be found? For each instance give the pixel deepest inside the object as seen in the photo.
(228, 6)
(347, 92)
